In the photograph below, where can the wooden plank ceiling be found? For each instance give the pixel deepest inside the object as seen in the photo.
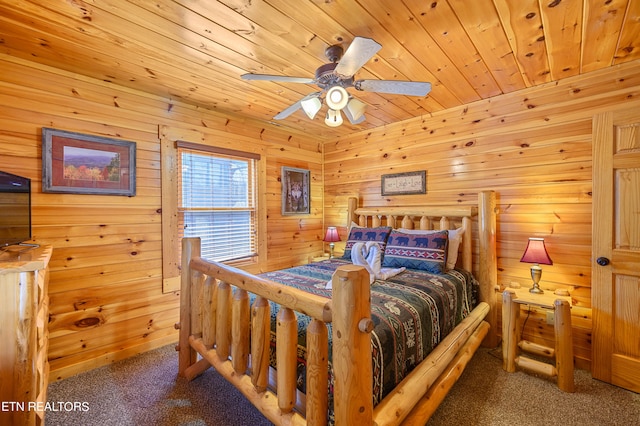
(196, 50)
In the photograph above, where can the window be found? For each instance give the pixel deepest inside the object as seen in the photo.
(217, 200)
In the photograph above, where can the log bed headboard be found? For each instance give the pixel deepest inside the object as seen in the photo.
(433, 217)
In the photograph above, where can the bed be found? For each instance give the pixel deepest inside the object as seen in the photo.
(306, 354)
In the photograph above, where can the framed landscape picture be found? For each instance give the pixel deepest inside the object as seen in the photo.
(295, 191)
(84, 164)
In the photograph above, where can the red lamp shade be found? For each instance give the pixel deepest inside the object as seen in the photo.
(332, 235)
(536, 252)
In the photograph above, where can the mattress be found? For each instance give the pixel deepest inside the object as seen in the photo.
(412, 312)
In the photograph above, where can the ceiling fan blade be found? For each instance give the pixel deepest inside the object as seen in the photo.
(293, 108)
(358, 53)
(280, 78)
(288, 111)
(395, 87)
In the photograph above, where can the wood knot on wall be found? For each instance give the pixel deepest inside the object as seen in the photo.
(88, 322)
(77, 321)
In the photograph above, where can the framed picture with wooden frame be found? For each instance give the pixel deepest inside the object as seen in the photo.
(295, 191)
(404, 183)
(76, 163)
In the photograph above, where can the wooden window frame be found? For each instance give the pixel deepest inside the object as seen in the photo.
(214, 141)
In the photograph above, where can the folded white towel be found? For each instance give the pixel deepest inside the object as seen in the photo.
(386, 273)
(369, 255)
(365, 254)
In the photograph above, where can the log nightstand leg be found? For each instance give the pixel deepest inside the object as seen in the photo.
(510, 314)
(564, 345)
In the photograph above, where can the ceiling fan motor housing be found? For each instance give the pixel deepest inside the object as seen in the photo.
(326, 77)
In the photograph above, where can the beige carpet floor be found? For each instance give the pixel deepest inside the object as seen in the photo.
(487, 395)
(144, 390)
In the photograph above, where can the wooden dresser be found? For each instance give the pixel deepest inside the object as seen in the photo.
(24, 317)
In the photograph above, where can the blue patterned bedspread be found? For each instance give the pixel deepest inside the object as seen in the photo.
(412, 312)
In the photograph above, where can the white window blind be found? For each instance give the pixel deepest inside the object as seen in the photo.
(217, 202)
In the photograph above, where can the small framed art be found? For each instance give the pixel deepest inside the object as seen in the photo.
(404, 183)
(295, 191)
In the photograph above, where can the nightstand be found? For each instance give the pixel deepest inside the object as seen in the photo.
(512, 346)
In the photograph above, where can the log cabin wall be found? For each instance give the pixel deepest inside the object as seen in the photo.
(106, 299)
(533, 147)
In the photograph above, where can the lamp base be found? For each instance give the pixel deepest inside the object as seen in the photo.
(536, 290)
(331, 246)
(536, 274)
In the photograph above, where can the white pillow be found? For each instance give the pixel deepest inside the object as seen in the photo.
(455, 238)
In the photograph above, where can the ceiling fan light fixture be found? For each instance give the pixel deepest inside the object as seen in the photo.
(356, 109)
(337, 97)
(311, 107)
(351, 119)
(334, 118)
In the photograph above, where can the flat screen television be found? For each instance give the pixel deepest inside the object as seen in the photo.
(15, 209)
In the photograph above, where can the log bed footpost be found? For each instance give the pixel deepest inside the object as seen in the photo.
(353, 402)
(186, 355)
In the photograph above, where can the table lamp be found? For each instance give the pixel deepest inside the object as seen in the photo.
(536, 253)
(331, 237)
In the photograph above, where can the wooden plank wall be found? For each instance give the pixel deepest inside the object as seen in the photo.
(106, 270)
(533, 147)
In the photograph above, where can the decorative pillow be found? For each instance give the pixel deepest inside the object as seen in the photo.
(427, 252)
(455, 238)
(379, 235)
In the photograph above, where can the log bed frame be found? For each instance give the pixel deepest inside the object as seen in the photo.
(218, 324)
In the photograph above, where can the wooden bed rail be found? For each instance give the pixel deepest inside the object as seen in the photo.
(217, 323)
(315, 306)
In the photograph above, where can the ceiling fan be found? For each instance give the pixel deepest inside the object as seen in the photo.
(335, 77)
